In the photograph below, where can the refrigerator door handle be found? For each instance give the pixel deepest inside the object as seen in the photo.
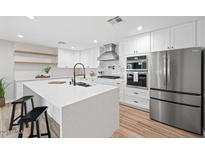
(168, 68)
(164, 70)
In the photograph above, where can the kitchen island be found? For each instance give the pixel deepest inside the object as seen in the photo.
(79, 111)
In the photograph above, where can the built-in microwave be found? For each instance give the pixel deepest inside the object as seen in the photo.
(137, 62)
(137, 79)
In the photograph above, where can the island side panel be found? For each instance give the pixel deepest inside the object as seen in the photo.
(94, 117)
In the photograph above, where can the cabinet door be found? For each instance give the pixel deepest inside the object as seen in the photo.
(160, 40)
(94, 54)
(84, 57)
(183, 36)
(76, 57)
(65, 58)
(129, 46)
(143, 43)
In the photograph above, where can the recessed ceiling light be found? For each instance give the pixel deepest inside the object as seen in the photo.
(139, 28)
(95, 41)
(72, 47)
(20, 36)
(31, 17)
(61, 42)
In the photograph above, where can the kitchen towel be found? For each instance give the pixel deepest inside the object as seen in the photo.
(135, 78)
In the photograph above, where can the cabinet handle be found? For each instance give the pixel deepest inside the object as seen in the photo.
(172, 47)
(118, 83)
(168, 47)
(135, 101)
(136, 93)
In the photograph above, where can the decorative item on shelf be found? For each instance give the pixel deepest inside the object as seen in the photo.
(92, 73)
(45, 73)
(3, 86)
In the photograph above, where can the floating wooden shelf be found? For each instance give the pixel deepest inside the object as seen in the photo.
(28, 62)
(35, 53)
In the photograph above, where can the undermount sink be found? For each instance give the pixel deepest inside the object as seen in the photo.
(83, 84)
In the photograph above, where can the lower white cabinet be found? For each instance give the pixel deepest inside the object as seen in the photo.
(136, 97)
(114, 82)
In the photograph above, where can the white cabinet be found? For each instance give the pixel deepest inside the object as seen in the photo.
(143, 43)
(85, 58)
(136, 97)
(182, 36)
(77, 56)
(65, 58)
(89, 57)
(160, 40)
(93, 58)
(68, 58)
(137, 44)
(114, 82)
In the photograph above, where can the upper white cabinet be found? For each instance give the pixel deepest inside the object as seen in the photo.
(68, 58)
(182, 36)
(137, 44)
(89, 57)
(65, 58)
(143, 43)
(76, 57)
(160, 40)
(85, 58)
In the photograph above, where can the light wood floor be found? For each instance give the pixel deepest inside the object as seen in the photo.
(136, 123)
(133, 124)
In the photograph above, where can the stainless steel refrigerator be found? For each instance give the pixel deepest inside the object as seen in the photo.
(176, 88)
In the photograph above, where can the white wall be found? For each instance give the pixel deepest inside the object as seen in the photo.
(7, 66)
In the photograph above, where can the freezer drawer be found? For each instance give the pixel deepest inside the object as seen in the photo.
(180, 116)
(194, 100)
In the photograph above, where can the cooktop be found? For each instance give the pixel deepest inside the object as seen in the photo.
(109, 77)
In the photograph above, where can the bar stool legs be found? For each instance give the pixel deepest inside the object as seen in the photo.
(21, 131)
(38, 129)
(47, 125)
(22, 101)
(12, 117)
(34, 116)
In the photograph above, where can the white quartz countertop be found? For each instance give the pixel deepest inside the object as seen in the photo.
(64, 94)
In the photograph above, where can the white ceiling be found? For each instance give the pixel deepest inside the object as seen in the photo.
(80, 31)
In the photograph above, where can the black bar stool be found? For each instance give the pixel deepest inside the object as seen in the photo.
(33, 116)
(22, 101)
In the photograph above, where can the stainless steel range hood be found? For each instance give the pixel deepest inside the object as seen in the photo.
(109, 53)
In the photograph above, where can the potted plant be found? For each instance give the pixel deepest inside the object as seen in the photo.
(2, 92)
(47, 70)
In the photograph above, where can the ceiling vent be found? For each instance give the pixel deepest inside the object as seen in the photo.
(115, 20)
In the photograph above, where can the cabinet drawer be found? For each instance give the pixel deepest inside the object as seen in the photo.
(134, 92)
(136, 100)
